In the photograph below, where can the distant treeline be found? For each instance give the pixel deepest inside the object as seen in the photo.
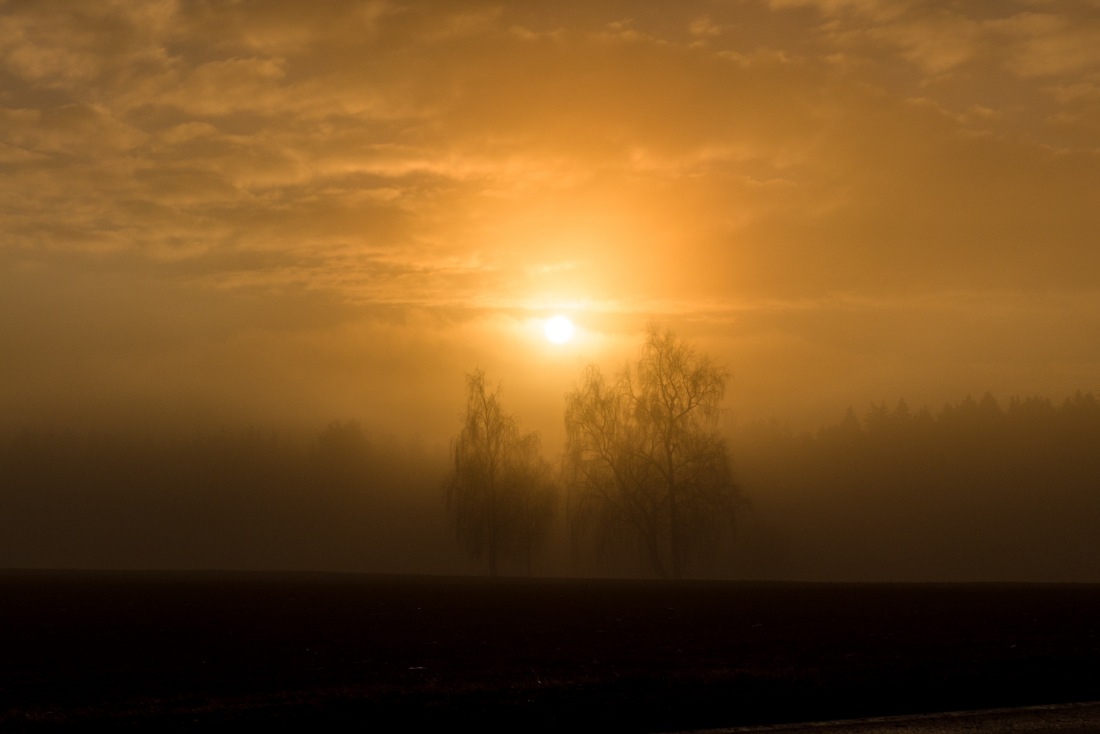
(977, 491)
(248, 499)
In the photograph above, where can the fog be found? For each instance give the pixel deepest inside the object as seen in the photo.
(333, 501)
(226, 226)
(975, 491)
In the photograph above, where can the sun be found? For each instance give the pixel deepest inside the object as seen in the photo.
(558, 329)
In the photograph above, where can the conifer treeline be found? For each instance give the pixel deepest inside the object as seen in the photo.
(339, 500)
(977, 491)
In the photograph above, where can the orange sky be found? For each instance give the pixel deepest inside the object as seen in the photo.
(285, 213)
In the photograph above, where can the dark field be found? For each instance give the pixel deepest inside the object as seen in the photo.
(207, 651)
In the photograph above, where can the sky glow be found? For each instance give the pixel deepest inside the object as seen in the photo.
(259, 211)
(558, 329)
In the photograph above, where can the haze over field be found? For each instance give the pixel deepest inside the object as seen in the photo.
(282, 214)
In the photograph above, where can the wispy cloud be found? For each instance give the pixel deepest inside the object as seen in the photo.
(695, 161)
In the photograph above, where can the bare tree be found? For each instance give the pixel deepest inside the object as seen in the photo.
(644, 460)
(532, 490)
(500, 491)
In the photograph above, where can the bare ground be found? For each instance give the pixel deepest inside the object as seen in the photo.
(182, 651)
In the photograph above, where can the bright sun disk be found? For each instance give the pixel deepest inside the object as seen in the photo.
(558, 329)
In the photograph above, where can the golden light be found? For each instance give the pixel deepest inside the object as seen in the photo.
(558, 329)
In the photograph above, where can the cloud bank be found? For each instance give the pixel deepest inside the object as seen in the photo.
(268, 211)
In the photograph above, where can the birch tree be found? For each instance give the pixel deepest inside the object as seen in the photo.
(500, 492)
(644, 461)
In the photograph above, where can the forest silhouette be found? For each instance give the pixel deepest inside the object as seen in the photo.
(250, 499)
(978, 491)
(975, 492)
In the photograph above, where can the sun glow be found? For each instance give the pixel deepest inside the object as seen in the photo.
(558, 329)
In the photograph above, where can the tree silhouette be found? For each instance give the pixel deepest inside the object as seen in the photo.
(500, 491)
(643, 458)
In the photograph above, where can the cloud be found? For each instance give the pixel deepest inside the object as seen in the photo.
(69, 46)
(937, 43)
(1052, 44)
(874, 9)
(474, 164)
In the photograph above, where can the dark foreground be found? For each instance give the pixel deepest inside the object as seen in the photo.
(210, 651)
(1058, 718)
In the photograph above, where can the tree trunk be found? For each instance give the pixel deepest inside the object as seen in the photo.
(492, 529)
(674, 534)
(673, 510)
(653, 545)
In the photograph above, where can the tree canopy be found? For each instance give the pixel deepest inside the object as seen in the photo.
(644, 461)
(500, 491)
